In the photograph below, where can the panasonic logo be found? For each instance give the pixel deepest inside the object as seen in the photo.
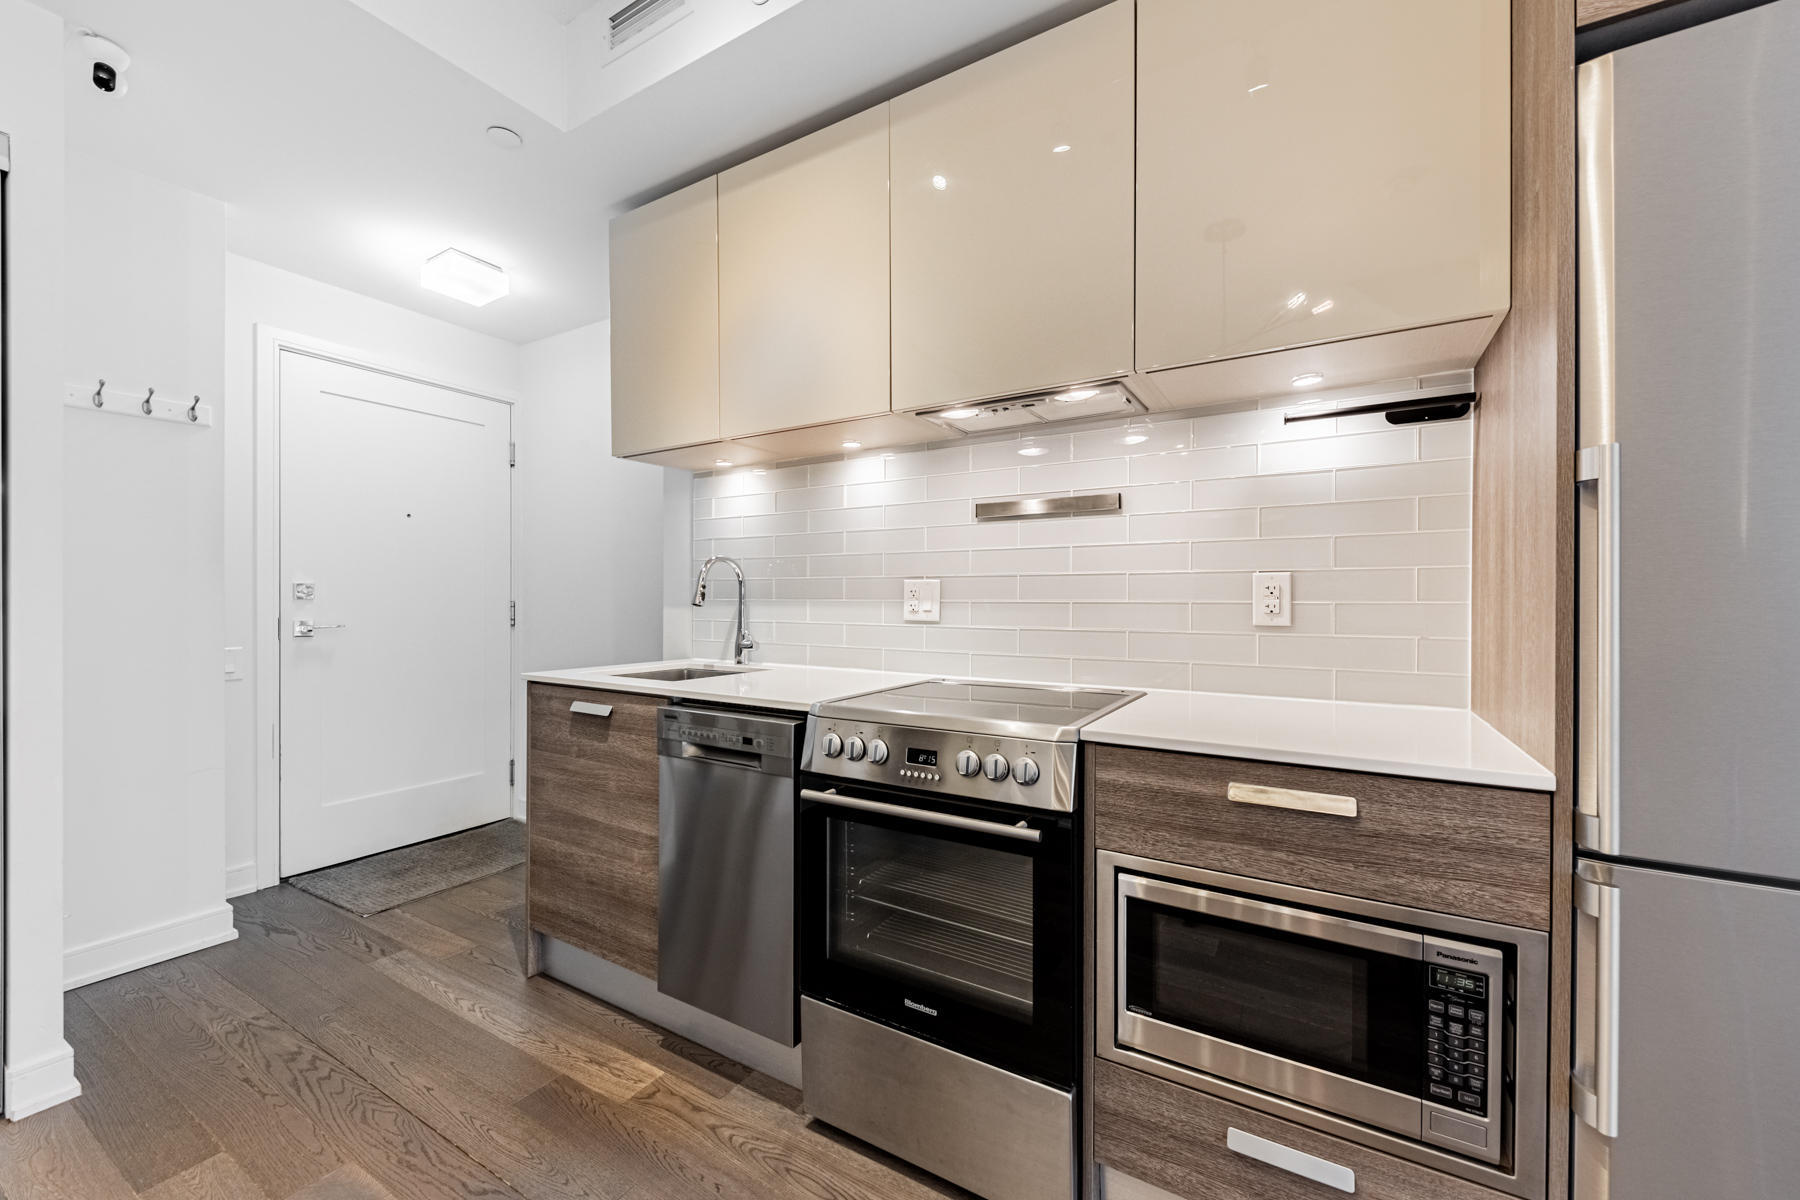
(914, 1004)
(1473, 962)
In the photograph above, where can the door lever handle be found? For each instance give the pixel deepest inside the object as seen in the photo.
(305, 628)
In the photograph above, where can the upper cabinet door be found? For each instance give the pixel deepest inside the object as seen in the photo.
(803, 280)
(1310, 170)
(665, 321)
(1012, 218)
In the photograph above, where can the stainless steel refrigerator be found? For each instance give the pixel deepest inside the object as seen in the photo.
(1687, 958)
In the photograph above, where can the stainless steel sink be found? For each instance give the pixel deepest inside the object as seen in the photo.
(679, 674)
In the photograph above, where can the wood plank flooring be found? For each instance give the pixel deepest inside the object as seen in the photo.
(405, 1056)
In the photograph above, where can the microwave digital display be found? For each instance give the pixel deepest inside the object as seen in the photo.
(920, 758)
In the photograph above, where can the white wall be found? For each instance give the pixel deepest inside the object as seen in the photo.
(589, 553)
(40, 1069)
(379, 332)
(1372, 519)
(144, 811)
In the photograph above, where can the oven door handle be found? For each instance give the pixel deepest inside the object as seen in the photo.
(1019, 832)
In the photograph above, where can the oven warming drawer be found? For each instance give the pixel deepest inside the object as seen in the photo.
(1000, 1135)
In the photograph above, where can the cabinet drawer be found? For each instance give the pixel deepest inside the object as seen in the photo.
(591, 801)
(1175, 1138)
(1478, 852)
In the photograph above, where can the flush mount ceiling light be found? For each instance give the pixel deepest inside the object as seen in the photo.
(504, 138)
(463, 277)
(939, 182)
(1308, 379)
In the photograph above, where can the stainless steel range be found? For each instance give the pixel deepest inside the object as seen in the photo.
(940, 929)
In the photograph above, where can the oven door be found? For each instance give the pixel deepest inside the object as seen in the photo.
(951, 920)
(1318, 1008)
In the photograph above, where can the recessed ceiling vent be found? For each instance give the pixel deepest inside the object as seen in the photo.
(637, 17)
(1085, 401)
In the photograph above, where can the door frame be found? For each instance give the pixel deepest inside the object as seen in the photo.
(271, 343)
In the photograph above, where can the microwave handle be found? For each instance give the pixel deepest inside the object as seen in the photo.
(1596, 1084)
(1019, 832)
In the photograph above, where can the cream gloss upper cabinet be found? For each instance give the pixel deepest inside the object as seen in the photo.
(1012, 218)
(803, 280)
(1311, 171)
(665, 322)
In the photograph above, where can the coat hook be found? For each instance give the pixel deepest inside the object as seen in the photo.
(194, 410)
(147, 401)
(98, 401)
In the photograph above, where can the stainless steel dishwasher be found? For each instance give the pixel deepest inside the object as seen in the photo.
(725, 917)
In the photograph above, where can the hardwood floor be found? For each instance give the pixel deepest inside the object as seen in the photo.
(405, 1056)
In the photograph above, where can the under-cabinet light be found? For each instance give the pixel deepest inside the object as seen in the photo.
(939, 182)
(958, 414)
(463, 277)
(852, 445)
(1078, 395)
(1034, 451)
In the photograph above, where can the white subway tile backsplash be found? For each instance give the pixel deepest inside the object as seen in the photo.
(1449, 548)
(1373, 520)
(1363, 516)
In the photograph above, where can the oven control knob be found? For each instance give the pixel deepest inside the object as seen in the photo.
(878, 752)
(997, 767)
(855, 749)
(968, 763)
(1026, 771)
(832, 745)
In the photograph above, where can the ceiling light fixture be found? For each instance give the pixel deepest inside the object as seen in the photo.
(939, 182)
(1308, 379)
(506, 139)
(463, 277)
(1296, 300)
(1320, 307)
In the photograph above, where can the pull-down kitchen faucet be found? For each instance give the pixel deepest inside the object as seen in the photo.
(745, 643)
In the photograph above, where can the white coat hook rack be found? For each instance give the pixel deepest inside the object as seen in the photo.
(148, 406)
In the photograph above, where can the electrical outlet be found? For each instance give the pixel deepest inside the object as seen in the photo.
(919, 600)
(1271, 598)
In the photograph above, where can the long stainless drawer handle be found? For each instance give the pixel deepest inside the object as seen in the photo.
(1596, 1085)
(1308, 1166)
(591, 710)
(919, 814)
(1597, 815)
(1319, 802)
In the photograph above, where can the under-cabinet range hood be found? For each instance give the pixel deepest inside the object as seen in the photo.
(1082, 402)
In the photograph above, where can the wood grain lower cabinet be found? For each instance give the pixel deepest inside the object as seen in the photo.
(1479, 852)
(592, 806)
(1174, 1137)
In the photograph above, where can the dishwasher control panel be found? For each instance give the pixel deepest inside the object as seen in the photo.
(763, 743)
(1026, 772)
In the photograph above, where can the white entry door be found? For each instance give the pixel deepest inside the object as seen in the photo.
(395, 547)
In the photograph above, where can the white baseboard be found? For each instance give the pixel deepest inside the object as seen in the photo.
(140, 948)
(35, 1086)
(240, 880)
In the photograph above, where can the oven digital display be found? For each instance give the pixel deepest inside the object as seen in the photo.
(920, 758)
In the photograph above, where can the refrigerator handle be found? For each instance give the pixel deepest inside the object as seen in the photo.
(1597, 808)
(1596, 1084)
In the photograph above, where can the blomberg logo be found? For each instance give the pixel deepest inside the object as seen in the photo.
(930, 1012)
(1473, 962)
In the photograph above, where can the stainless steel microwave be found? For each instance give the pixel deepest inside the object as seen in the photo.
(1415, 1032)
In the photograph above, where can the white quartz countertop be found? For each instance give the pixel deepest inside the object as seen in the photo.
(795, 689)
(1386, 739)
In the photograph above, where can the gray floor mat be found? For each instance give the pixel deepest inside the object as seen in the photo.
(383, 881)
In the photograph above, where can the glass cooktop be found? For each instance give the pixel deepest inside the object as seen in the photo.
(1017, 710)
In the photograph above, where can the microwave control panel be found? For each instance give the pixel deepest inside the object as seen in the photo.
(1464, 994)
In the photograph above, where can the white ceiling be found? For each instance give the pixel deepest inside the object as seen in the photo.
(565, 11)
(350, 153)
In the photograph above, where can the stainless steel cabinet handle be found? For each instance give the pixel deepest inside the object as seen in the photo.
(1307, 1166)
(1597, 823)
(919, 814)
(1319, 802)
(1596, 1084)
(591, 710)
